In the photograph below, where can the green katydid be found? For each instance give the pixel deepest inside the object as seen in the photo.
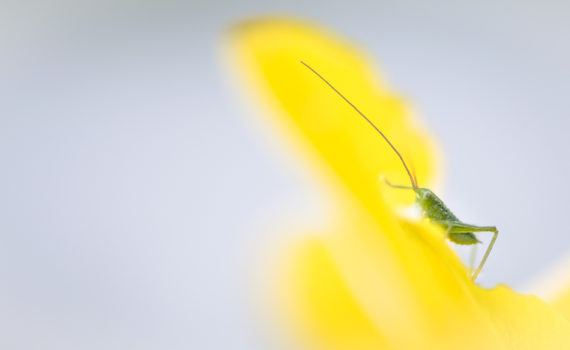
(431, 205)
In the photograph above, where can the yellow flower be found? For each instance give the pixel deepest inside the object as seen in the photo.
(371, 279)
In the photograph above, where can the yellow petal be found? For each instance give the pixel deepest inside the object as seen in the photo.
(562, 302)
(554, 286)
(325, 313)
(346, 298)
(411, 284)
(524, 321)
(398, 282)
(319, 123)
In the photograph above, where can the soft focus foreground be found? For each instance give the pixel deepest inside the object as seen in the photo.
(370, 280)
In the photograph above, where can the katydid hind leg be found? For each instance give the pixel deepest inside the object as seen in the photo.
(487, 252)
(460, 227)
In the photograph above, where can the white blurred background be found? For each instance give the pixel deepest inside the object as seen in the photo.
(130, 179)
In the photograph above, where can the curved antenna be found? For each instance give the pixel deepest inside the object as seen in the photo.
(414, 174)
(413, 169)
(414, 184)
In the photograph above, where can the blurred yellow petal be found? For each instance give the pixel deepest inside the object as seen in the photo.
(562, 302)
(560, 297)
(554, 286)
(524, 321)
(315, 296)
(375, 280)
(268, 54)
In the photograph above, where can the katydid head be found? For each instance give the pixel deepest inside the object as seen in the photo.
(424, 197)
(422, 193)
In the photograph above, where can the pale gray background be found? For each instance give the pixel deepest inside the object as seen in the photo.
(130, 178)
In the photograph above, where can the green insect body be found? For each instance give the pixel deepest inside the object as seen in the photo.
(431, 205)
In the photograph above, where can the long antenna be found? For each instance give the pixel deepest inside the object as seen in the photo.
(414, 184)
(414, 174)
